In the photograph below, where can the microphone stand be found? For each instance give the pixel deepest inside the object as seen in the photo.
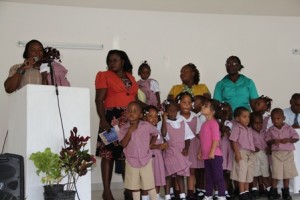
(52, 75)
(51, 71)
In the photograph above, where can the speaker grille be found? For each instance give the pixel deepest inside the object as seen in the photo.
(11, 177)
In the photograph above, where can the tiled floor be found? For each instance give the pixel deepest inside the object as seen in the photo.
(118, 195)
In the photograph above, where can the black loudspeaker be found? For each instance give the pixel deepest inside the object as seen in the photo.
(11, 177)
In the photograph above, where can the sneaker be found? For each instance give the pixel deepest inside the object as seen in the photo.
(215, 197)
(191, 197)
(273, 194)
(243, 196)
(200, 195)
(254, 194)
(222, 198)
(228, 197)
(286, 194)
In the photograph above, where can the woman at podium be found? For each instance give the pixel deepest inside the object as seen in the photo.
(36, 68)
(115, 88)
(29, 71)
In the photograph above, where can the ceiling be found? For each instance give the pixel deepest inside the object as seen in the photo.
(236, 7)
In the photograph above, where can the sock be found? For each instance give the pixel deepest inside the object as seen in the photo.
(136, 195)
(171, 190)
(152, 194)
(167, 197)
(145, 197)
(158, 196)
(182, 195)
(254, 188)
(242, 193)
(268, 188)
(216, 192)
(226, 192)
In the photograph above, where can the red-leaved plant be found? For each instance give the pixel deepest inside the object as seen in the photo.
(76, 160)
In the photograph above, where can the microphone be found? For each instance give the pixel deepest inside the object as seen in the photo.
(35, 59)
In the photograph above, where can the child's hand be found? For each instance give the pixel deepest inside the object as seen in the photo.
(165, 116)
(295, 126)
(114, 121)
(132, 127)
(185, 152)
(285, 140)
(163, 146)
(256, 149)
(199, 155)
(211, 155)
(116, 143)
(237, 157)
(277, 142)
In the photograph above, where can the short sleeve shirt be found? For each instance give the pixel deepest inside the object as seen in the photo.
(138, 151)
(199, 89)
(243, 136)
(118, 95)
(285, 132)
(31, 75)
(236, 94)
(209, 132)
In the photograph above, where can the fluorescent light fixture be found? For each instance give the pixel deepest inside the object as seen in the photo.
(67, 45)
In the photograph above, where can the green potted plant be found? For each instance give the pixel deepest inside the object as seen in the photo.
(49, 167)
(76, 160)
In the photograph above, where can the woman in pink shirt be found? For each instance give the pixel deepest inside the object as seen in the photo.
(210, 151)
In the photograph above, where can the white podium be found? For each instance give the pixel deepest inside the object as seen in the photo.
(34, 124)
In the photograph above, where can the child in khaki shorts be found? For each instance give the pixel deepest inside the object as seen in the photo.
(136, 138)
(243, 146)
(281, 137)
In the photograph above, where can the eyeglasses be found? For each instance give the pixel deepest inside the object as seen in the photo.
(232, 63)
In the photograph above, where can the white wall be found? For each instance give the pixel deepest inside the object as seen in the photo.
(166, 40)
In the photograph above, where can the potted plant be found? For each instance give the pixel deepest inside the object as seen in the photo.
(76, 160)
(49, 167)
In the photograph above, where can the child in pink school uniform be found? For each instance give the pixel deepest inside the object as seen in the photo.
(282, 138)
(177, 134)
(185, 100)
(263, 105)
(261, 167)
(210, 151)
(149, 86)
(151, 116)
(225, 118)
(136, 138)
(243, 146)
(199, 101)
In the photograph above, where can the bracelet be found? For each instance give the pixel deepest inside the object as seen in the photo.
(21, 71)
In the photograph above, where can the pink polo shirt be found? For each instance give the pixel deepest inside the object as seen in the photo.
(259, 139)
(138, 151)
(209, 132)
(243, 136)
(285, 132)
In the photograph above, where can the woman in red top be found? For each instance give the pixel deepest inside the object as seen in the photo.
(115, 88)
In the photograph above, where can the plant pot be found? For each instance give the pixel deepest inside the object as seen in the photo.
(53, 189)
(64, 195)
